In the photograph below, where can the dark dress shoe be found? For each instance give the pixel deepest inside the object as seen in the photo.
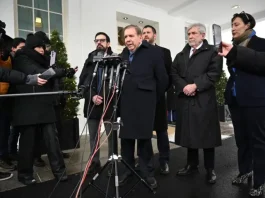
(211, 177)
(187, 170)
(164, 169)
(27, 180)
(124, 178)
(152, 182)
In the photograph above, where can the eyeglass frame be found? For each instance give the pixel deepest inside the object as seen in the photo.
(100, 40)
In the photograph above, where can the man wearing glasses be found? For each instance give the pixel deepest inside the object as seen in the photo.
(96, 98)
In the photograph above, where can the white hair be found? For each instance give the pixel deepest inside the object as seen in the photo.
(202, 28)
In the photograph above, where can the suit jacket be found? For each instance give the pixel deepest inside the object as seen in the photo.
(249, 83)
(161, 123)
(85, 79)
(146, 83)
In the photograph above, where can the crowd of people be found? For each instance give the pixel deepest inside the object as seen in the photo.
(153, 91)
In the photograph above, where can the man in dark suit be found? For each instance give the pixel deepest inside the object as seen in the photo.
(160, 125)
(195, 70)
(143, 86)
(96, 99)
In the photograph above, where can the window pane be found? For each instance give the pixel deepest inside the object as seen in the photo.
(25, 18)
(25, 2)
(56, 6)
(41, 21)
(23, 34)
(41, 4)
(61, 37)
(56, 23)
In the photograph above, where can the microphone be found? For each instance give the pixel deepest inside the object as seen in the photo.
(97, 58)
(125, 65)
(117, 72)
(111, 76)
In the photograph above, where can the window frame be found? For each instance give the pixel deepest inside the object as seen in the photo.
(16, 5)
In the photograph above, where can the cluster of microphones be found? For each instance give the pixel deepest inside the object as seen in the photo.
(113, 68)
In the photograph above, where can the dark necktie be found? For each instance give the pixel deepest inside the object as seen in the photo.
(131, 57)
(193, 51)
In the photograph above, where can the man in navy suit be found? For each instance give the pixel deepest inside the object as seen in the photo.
(142, 88)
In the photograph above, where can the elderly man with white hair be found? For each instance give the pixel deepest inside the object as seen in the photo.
(195, 71)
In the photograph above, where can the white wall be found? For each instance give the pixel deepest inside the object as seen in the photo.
(86, 17)
(7, 15)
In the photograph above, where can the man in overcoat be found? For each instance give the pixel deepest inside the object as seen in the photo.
(144, 84)
(161, 124)
(195, 71)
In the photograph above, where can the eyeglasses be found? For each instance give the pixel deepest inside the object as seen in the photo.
(99, 40)
(245, 15)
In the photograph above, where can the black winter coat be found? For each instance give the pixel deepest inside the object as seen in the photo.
(31, 110)
(85, 80)
(248, 82)
(197, 124)
(247, 60)
(12, 76)
(161, 107)
(143, 86)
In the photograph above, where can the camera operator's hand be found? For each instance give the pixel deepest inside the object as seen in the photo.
(71, 72)
(35, 80)
(225, 49)
(97, 99)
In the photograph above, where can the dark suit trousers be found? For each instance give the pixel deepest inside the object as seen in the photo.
(163, 146)
(242, 137)
(93, 135)
(27, 145)
(145, 153)
(256, 128)
(193, 157)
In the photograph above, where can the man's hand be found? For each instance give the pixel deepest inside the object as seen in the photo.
(225, 48)
(190, 90)
(97, 99)
(41, 81)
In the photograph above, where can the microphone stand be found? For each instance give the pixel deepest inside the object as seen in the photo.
(115, 158)
(43, 93)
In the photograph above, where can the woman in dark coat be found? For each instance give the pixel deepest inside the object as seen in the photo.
(245, 96)
(34, 115)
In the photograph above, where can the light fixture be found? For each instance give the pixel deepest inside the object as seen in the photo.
(141, 22)
(235, 7)
(38, 22)
(125, 18)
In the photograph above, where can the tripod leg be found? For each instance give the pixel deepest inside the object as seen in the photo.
(138, 176)
(91, 183)
(116, 178)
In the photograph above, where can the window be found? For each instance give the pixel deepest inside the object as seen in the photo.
(39, 15)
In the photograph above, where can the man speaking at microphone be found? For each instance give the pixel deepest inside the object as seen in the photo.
(142, 87)
(97, 100)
